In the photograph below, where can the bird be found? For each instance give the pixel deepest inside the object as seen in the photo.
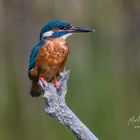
(49, 56)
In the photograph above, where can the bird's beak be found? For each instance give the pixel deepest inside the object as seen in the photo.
(80, 30)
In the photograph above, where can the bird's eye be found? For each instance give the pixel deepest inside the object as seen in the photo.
(62, 27)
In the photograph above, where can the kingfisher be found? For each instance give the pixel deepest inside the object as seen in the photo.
(49, 56)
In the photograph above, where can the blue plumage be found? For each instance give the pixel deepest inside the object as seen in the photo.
(34, 54)
(51, 25)
(47, 63)
(63, 28)
(55, 25)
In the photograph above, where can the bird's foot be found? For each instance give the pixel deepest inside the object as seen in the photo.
(56, 84)
(42, 80)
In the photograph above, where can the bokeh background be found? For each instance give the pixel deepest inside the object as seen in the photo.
(104, 84)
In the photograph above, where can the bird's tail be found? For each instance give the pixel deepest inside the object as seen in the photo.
(35, 89)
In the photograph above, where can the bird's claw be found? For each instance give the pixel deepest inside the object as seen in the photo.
(42, 81)
(56, 84)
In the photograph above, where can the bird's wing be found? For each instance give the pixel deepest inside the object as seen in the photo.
(34, 54)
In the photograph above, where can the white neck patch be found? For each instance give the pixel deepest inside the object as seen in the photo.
(47, 34)
(66, 35)
(50, 33)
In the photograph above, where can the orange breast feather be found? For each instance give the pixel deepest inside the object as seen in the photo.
(50, 59)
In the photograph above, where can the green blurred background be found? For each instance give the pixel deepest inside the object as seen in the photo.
(104, 84)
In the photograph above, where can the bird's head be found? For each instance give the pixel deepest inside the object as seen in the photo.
(61, 29)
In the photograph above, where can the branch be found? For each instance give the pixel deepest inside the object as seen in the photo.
(56, 107)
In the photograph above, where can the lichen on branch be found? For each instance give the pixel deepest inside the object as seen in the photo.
(56, 107)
